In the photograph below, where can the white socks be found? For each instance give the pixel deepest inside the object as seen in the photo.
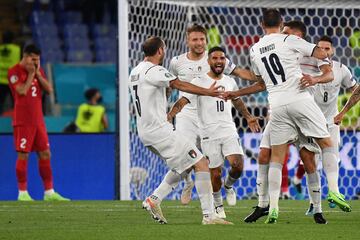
(262, 185)
(218, 200)
(274, 178)
(331, 168)
(315, 190)
(169, 182)
(204, 190)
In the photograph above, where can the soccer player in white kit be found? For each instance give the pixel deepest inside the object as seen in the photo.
(148, 82)
(275, 59)
(355, 97)
(219, 136)
(186, 67)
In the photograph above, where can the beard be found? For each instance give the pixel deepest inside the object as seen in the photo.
(216, 70)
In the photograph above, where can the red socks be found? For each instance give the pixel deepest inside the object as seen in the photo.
(21, 174)
(46, 173)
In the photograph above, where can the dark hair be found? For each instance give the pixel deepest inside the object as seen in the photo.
(8, 37)
(195, 28)
(152, 45)
(215, 49)
(31, 49)
(90, 93)
(271, 18)
(298, 25)
(326, 39)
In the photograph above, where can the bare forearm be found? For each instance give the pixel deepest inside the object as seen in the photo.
(326, 76)
(189, 88)
(240, 106)
(244, 74)
(254, 88)
(355, 97)
(178, 106)
(44, 83)
(23, 88)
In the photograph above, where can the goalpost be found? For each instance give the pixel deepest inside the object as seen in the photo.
(238, 23)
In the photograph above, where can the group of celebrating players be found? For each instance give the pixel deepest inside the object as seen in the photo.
(303, 83)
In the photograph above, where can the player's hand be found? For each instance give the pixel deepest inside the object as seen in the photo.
(214, 91)
(338, 118)
(170, 118)
(253, 124)
(229, 95)
(307, 81)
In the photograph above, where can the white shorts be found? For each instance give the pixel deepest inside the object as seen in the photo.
(265, 138)
(177, 151)
(303, 115)
(189, 128)
(301, 142)
(218, 149)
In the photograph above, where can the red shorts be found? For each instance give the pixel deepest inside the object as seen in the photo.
(31, 138)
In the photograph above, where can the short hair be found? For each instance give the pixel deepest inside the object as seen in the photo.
(298, 25)
(90, 93)
(326, 39)
(271, 18)
(152, 45)
(32, 49)
(195, 28)
(216, 49)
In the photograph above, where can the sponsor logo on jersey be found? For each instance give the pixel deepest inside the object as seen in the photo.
(199, 68)
(192, 153)
(13, 79)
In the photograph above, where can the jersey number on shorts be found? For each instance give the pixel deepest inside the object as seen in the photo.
(220, 106)
(276, 67)
(22, 143)
(137, 100)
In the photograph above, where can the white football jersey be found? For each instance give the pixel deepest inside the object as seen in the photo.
(186, 70)
(148, 83)
(276, 58)
(326, 94)
(215, 119)
(311, 66)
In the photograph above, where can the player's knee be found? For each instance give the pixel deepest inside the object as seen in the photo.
(238, 164)
(23, 155)
(264, 155)
(46, 155)
(202, 165)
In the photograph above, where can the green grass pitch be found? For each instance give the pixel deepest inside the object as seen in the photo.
(127, 220)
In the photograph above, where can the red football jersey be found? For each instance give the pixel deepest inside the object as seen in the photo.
(28, 108)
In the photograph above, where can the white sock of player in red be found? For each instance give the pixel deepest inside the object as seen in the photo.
(274, 178)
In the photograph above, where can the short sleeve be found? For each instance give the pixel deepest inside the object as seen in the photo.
(229, 67)
(172, 66)
(13, 78)
(348, 80)
(159, 76)
(322, 62)
(252, 62)
(300, 45)
(189, 96)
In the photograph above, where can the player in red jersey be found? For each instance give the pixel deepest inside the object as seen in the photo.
(27, 81)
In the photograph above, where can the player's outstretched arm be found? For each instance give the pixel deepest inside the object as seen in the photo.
(251, 120)
(244, 74)
(176, 108)
(191, 88)
(355, 97)
(326, 76)
(259, 86)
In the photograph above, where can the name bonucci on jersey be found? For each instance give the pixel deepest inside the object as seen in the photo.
(186, 70)
(148, 83)
(276, 58)
(214, 114)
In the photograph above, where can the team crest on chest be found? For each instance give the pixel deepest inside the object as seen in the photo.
(221, 88)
